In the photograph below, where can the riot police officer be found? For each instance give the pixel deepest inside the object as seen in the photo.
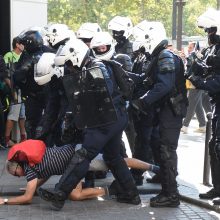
(206, 76)
(121, 28)
(49, 128)
(90, 92)
(33, 94)
(168, 95)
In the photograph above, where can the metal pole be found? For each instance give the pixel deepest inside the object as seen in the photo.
(174, 20)
(179, 24)
(206, 170)
(218, 4)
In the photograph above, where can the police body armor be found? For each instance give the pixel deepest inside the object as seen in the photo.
(214, 71)
(24, 74)
(89, 97)
(124, 47)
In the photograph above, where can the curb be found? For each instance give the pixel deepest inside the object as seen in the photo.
(200, 203)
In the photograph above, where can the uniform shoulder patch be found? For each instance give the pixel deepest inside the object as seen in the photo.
(166, 61)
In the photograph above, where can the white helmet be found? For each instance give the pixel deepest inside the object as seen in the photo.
(120, 23)
(74, 50)
(45, 69)
(137, 44)
(150, 32)
(87, 30)
(100, 39)
(209, 19)
(58, 34)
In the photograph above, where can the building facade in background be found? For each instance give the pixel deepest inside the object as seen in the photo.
(18, 15)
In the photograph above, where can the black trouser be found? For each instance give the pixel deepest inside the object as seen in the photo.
(214, 162)
(142, 150)
(106, 139)
(130, 131)
(169, 128)
(34, 108)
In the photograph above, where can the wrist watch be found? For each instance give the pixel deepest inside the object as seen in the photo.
(5, 201)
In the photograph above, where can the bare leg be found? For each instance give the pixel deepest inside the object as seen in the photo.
(9, 126)
(79, 193)
(137, 164)
(22, 125)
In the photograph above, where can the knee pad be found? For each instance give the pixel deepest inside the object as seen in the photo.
(81, 154)
(164, 152)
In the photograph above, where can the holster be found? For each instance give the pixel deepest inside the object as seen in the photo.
(175, 104)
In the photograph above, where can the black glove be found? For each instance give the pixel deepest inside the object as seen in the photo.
(139, 105)
(194, 79)
(211, 60)
(217, 150)
(40, 133)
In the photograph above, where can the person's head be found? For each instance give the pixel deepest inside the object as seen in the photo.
(103, 46)
(191, 47)
(58, 34)
(45, 69)
(17, 46)
(32, 40)
(210, 22)
(121, 28)
(14, 168)
(140, 47)
(87, 31)
(213, 37)
(73, 54)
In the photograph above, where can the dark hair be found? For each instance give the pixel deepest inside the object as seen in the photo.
(15, 41)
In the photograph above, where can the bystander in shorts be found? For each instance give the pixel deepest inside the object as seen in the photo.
(16, 112)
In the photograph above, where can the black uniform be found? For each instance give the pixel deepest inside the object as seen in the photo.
(168, 95)
(211, 83)
(34, 94)
(100, 112)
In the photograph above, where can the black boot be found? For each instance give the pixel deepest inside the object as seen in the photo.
(216, 201)
(57, 198)
(129, 193)
(115, 189)
(211, 194)
(165, 200)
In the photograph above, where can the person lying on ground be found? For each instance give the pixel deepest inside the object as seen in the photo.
(55, 162)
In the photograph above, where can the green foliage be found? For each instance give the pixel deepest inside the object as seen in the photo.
(75, 12)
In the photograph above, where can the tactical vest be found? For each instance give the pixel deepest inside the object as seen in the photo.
(89, 97)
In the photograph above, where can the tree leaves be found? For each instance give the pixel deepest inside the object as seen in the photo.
(75, 12)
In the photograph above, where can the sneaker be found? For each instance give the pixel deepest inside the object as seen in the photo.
(10, 143)
(200, 130)
(57, 198)
(184, 129)
(211, 194)
(163, 200)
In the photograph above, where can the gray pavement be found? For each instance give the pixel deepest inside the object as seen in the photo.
(191, 157)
